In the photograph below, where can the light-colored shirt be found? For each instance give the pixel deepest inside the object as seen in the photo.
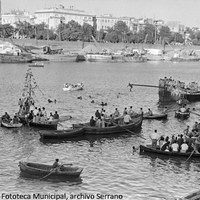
(184, 147)
(175, 146)
(154, 136)
(127, 118)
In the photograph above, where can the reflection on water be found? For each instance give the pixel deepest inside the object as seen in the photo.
(110, 166)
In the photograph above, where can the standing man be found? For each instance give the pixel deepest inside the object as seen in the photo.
(154, 138)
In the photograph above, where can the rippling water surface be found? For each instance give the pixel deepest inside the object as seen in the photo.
(110, 166)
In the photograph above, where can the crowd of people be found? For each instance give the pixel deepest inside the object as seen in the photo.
(187, 142)
(29, 112)
(102, 119)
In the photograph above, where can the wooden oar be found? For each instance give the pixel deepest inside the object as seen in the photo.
(194, 113)
(65, 118)
(127, 130)
(53, 170)
(190, 155)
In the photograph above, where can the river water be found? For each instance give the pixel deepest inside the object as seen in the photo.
(110, 165)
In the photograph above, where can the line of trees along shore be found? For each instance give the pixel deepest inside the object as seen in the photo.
(73, 31)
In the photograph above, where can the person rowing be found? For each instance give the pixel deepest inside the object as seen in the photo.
(149, 113)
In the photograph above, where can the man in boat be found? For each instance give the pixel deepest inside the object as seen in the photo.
(116, 113)
(56, 116)
(97, 114)
(149, 113)
(15, 120)
(6, 117)
(30, 116)
(127, 118)
(183, 109)
(187, 130)
(92, 121)
(154, 138)
(56, 164)
(141, 112)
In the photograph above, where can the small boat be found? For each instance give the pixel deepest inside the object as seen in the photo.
(115, 129)
(36, 65)
(73, 87)
(42, 170)
(61, 134)
(44, 126)
(155, 116)
(149, 150)
(182, 115)
(11, 125)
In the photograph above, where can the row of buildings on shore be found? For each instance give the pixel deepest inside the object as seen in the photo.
(59, 14)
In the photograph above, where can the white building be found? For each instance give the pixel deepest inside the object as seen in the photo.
(54, 16)
(15, 16)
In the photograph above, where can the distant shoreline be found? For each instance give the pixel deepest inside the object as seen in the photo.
(75, 47)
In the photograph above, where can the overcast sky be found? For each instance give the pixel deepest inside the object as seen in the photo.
(185, 11)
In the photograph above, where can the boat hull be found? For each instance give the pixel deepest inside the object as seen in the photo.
(42, 170)
(44, 126)
(98, 57)
(61, 134)
(155, 116)
(182, 115)
(10, 125)
(169, 154)
(117, 129)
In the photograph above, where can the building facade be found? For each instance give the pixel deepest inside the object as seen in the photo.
(14, 17)
(54, 16)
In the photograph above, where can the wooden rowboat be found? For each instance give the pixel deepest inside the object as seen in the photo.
(115, 129)
(44, 126)
(61, 134)
(11, 125)
(155, 116)
(182, 115)
(149, 150)
(42, 170)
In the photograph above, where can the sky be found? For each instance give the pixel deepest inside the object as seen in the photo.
(185, 11)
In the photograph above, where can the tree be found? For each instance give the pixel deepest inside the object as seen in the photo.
(121, 30)
(87, 32)
(164, 32)
(6, 30)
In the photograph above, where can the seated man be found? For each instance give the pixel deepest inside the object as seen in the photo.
(92, 121)
(150, 113)
(184, 147)
(56, 164)
(127, 118)
(175, 146)
(15, 120)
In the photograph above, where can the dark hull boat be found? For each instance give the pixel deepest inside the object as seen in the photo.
(155, 116)
(182, 115)
(62, 134)
(42, 170)
(49, 126)
(149, 150)
(116, 129)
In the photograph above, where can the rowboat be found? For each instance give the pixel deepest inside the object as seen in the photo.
(61, 134)
(73, 87)
(149, 150)
(182, 115)
(11, 125)
(40, 125)
(36, 65)
(134, 126)
(155, 116)
(42, 170)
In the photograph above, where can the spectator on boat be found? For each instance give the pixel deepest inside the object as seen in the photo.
(116, 113)
(44, 112)
(42, 118)
(180, 140)
(127, 118)
(141, 112)
(98, 123)
(56, 164)
(56, 115)
(183, 109)
(30, 116)
(165, 144)
(197, 144)
(92, 121)
(125, 111)
(175, 146)
(50, 117)
(195, 127)
(37, 118)
(35, 111)
(184, 147)
(187, 130)
(150, 113)
(97, 114)
(161, 141)
(102, 112)
(130, 112)
(32, 107)
(154, 138)
(103, 123)
(6, 117)
(173, 139)
(15, 120)
(39, 111)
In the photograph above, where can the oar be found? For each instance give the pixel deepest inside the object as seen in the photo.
(190, 155)
(53, 170)
(194, 113)
(127, 130)
(65, 118)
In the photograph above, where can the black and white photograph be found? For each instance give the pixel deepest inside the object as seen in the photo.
(100, 99)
